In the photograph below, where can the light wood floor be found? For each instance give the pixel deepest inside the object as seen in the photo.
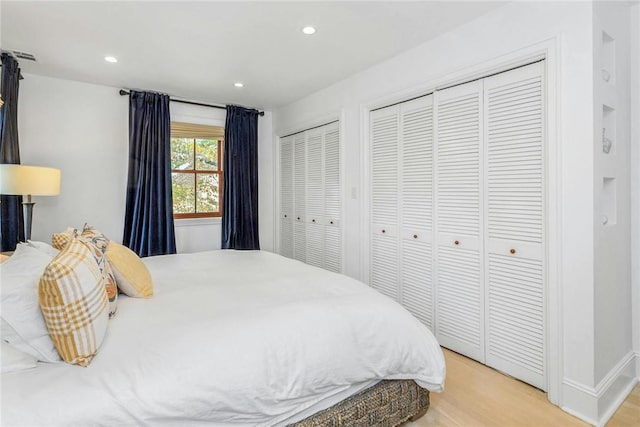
(476, 395)
(629, 413)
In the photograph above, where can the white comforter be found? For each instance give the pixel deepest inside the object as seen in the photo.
(230, 337)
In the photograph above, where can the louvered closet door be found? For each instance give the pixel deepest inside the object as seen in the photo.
(384, 131)
(514, 132)
(299, 178)
(460, 299)
(332, 199)
(416, 201)
(286, 197)
(315, 198)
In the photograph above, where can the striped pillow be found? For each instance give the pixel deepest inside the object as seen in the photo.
(74, 302)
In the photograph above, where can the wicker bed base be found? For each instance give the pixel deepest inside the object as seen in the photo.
(386, 404)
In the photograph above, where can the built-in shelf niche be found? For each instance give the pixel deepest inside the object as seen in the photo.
(608, 130)
(609, 212)
(608, 68)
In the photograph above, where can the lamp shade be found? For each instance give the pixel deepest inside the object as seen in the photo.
(29, 180)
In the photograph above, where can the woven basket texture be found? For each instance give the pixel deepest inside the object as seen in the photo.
(386, 404)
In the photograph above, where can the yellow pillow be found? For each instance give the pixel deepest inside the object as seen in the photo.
(132, 276)
(74, 302)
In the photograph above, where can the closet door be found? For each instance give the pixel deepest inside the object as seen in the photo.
(332, 199)
(315, 198)
(286, 197)
(416, 194)
(384, 131)
(514, 134)
(299, 166)
(459, 288)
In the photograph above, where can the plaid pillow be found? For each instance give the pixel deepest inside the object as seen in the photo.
(74, 302)
(60, 240)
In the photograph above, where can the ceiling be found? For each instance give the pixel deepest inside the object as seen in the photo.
(198, 50)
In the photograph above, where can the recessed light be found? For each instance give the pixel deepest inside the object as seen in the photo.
(308, 30)
(238, 84)
(111, 59)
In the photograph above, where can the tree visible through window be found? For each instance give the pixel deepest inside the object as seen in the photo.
(196, 170)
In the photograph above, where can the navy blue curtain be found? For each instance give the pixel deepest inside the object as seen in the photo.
(148, 223)
(11, 215)
(240, 170)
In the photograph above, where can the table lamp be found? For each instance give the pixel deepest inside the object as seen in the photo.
(29, 181)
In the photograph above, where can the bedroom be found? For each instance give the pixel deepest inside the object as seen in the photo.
(71, 116)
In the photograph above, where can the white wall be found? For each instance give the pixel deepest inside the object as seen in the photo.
(83, 130)
(635, 176)
(266, 192)
(614, 359)
(499, 34)
(612, 243)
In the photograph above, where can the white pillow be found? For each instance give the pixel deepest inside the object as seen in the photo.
(20, 275)
(10, 336)
(43, 247)
(14, 360)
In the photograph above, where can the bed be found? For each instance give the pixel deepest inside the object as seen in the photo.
(240, 338)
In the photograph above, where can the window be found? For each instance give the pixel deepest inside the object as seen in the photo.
(196, 170)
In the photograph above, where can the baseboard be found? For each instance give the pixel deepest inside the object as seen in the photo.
(596, 405)
(580, 401)
(615, 387)
(638, 365)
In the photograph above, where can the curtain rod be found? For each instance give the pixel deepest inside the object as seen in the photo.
(124, 92)
(20, 77)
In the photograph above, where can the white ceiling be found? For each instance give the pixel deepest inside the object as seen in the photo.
(197, 50)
